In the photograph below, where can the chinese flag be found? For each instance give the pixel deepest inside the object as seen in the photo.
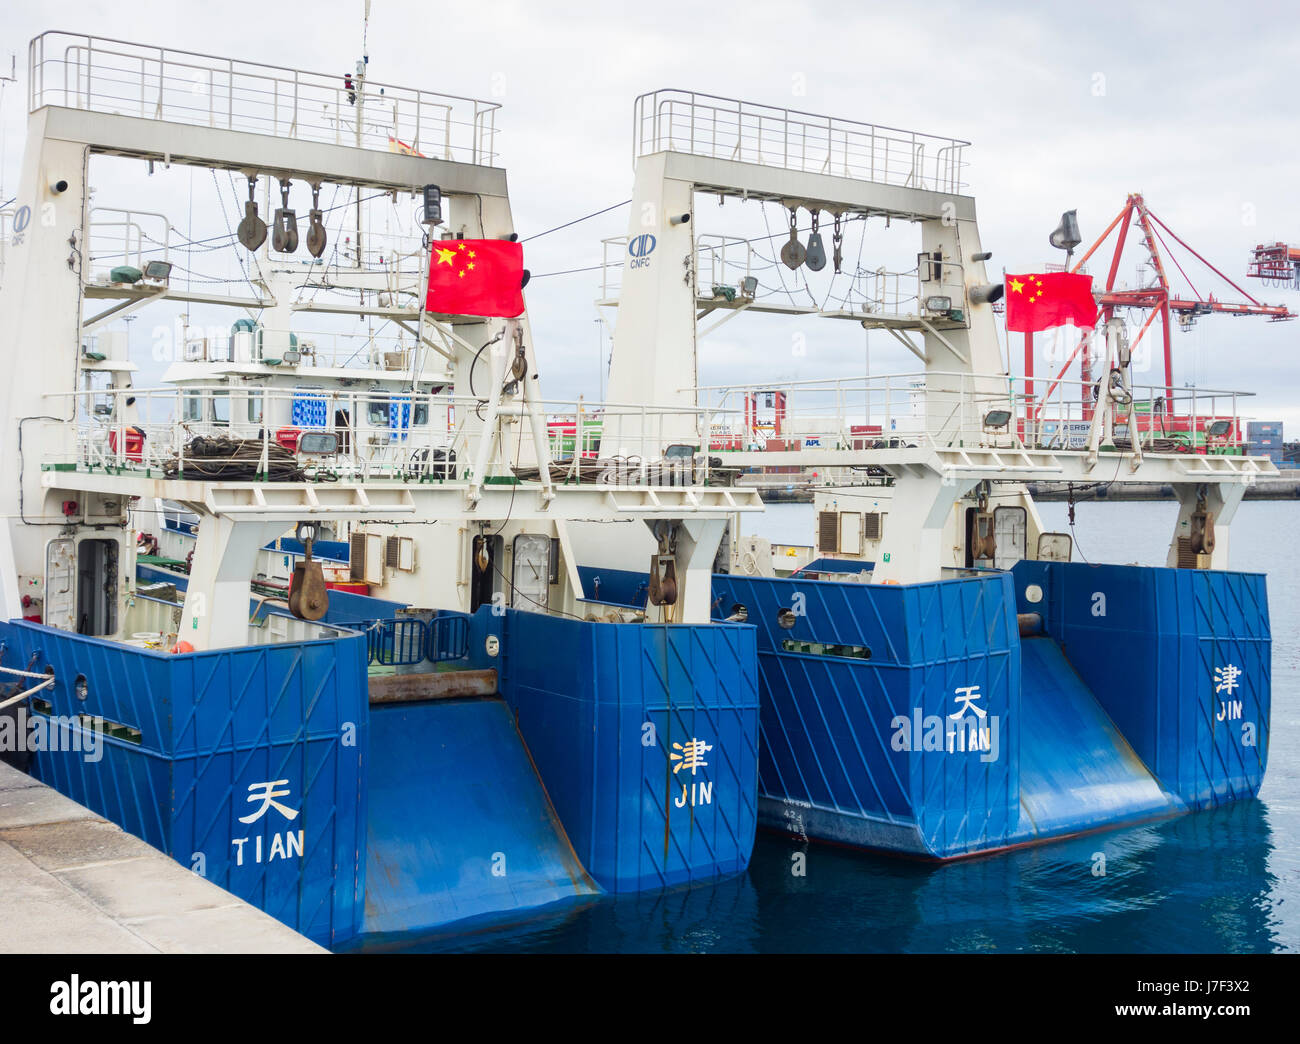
(1036, 302)
(476, 277)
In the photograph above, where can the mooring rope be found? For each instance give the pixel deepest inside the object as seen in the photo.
(49, 680)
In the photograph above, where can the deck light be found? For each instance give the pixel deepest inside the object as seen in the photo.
(1066, 235)
(938, 303)
(432, 205)
(997, 418)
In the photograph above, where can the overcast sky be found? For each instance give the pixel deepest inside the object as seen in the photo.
(1067, 105)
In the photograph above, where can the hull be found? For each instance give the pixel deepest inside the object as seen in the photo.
(917, 719)
(268, 770)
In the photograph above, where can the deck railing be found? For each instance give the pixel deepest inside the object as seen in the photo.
(950, 410)
(371, 436)
(99, 74)
(731, 129)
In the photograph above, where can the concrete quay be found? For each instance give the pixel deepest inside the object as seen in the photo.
(71, 882)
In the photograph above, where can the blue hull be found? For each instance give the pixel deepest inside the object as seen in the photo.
(916, 719)
(266, 769)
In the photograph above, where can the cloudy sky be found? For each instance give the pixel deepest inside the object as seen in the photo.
(1067, 105)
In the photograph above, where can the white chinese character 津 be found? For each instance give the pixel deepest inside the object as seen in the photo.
(691, 756)
(1225, 678)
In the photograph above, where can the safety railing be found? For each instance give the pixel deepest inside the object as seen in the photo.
(116, 76)
(128, 237)
(345, 434)
(304, 349)
(719, 261)
(731, 129)
(396, 642)
(947, 410)
(890, 293)
(724, 263)
(613, 255)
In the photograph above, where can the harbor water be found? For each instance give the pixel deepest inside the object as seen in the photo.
(1223, 881)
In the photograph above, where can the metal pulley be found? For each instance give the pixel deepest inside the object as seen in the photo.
(309, 598)
(285, 237)
(252, 229)
(663, 580)
(816, 252)
(519, 363)
(983, 543)
(1202, 528)
(663, 568)
(793, 253)
(315, 224)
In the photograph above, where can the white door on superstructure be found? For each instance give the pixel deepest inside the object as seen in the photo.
(530, 575)
(1009, 535)
(61, 584)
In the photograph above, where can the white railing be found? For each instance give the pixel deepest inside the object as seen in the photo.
(117, 76)
(890, 293)
(722, 260)
(719, 261)
(124, 237)
(947, 410)
(302, 350)
(613, 254)
(727, 128)
(422, 438)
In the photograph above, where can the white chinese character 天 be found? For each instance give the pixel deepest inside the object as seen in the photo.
(1225, 678)
(266, 793)
(965, 697)
(691, 756)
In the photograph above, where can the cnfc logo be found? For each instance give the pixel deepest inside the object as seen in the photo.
(640, 250)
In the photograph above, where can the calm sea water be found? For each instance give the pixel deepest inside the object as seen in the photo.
(1220, 881)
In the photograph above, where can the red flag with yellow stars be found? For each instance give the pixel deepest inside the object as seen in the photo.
(1036, 302)
(476, 277)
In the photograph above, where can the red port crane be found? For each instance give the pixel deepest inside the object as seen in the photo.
(1277, 264)
(1156, 296)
